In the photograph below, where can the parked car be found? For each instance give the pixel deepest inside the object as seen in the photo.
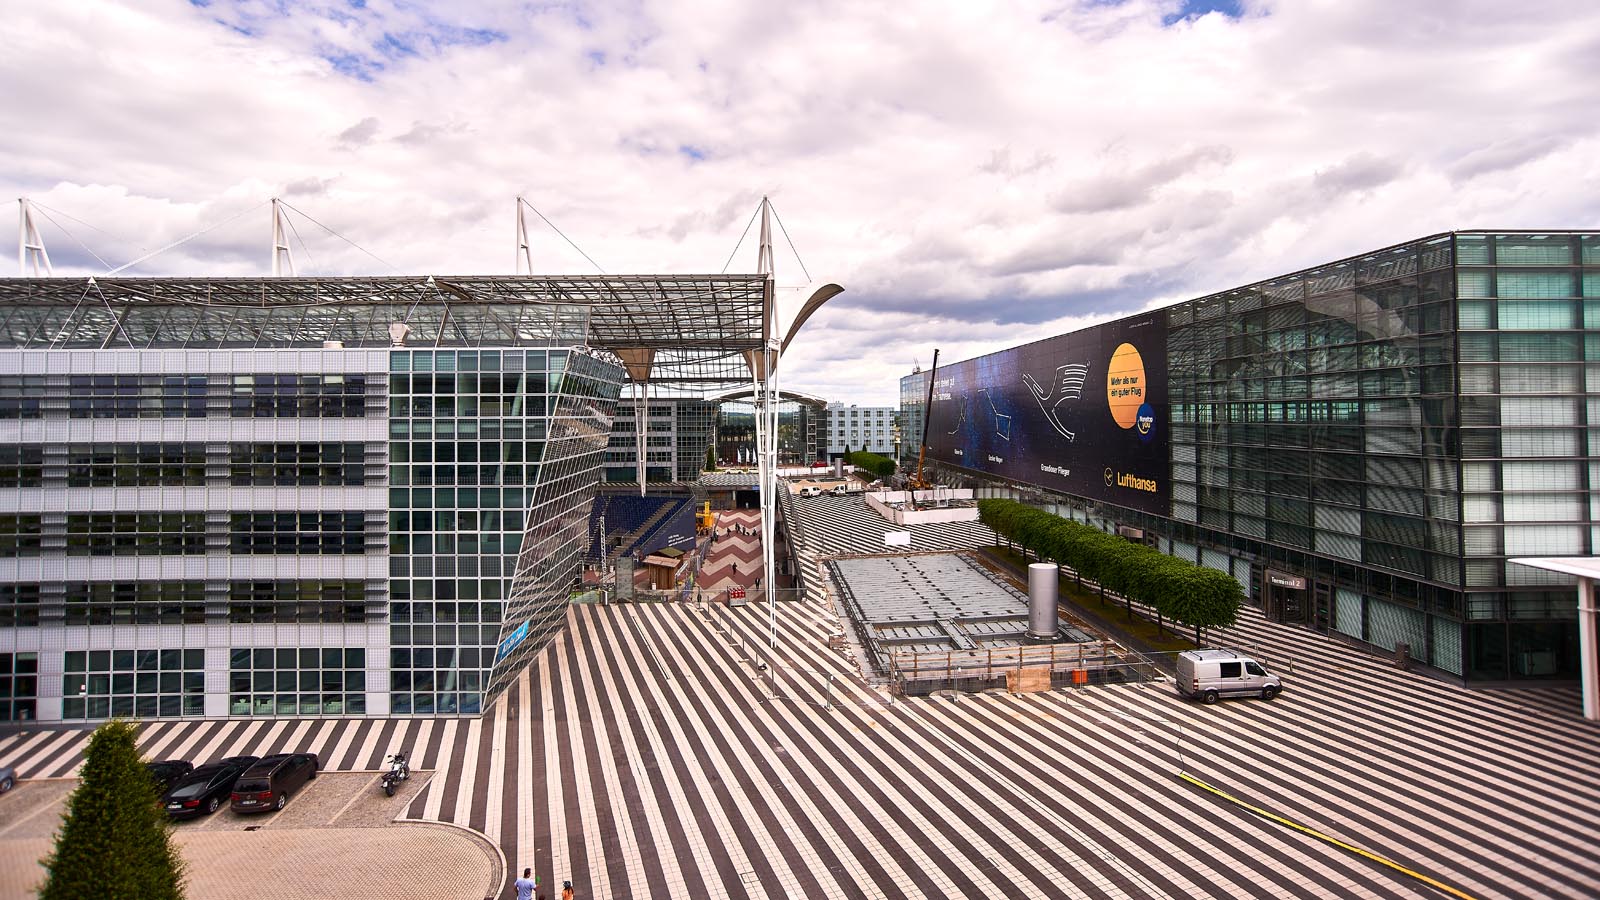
(243, 762)
(268, 783)
(8, 778)
(1213, 674)
(167, 773)
(202, 791)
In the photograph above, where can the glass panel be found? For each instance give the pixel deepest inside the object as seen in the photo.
(1473, 283)
(1535, 316)
(1534, 285)
(1542, 250)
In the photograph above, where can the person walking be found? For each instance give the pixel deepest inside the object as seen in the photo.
(526, 885)
(566, 890)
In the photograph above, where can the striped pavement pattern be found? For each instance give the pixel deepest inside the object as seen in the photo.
(734, 559)
(645, 755)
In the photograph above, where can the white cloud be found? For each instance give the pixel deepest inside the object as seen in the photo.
(975, 175)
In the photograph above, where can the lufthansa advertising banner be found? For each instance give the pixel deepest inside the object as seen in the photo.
(1082, 413)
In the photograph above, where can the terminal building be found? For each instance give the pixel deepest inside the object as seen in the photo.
(1366, 445)
(298, 496)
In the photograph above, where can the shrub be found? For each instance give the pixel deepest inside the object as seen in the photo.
(115, 840)
(880, 466)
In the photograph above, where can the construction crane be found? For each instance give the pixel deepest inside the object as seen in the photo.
(917, 482)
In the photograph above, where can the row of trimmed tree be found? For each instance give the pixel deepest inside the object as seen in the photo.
(1190, 594)
(879, 465)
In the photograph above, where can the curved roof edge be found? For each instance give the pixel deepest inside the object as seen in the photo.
(745, 392)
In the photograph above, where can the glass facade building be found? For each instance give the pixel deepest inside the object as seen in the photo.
(1365, 444)
(678, 431)
(312, 497)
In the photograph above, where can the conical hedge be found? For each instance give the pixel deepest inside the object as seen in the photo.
(115, 841)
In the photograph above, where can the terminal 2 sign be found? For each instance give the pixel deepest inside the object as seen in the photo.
(1082, 413)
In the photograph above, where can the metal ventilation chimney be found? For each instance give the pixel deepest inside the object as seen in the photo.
(1043, 619)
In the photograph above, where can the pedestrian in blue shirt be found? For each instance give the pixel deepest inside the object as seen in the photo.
(526, 885)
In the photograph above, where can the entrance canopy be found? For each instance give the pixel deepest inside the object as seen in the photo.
(1587, 569)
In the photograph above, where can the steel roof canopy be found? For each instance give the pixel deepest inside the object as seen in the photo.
(701, 324)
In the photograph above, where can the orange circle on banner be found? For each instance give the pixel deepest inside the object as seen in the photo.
(1125, 384)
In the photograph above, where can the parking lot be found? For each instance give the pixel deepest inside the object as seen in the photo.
(338, 831)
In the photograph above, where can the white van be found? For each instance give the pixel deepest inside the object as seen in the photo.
(1214, 674)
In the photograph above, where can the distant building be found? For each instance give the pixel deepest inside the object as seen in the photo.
(677, 433)
(869, 428)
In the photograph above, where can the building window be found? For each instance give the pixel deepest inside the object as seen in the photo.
(20, 396)
(19, 686)
(135, 603)
(20, 535)
(100, 684)
(133, 465)
(297, 602)
(21, 466)
(298, 534)
(136, 397)
(297, 465)
(19, 605)
(305, 681)
(136, 534)
(299, 396)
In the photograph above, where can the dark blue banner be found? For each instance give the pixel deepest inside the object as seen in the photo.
(1082, 413)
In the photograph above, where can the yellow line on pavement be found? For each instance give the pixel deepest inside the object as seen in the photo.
(1431, 882)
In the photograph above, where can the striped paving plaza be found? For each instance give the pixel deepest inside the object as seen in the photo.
(646, 756)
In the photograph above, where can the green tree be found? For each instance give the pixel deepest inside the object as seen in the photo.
(879, 465)
(1177, 589)
(711, 459)
(115, 841)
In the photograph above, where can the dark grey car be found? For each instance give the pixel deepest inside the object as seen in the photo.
(271, 780)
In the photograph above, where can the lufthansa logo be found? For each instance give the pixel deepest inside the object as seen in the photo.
(1136, 483)
(1111, 477)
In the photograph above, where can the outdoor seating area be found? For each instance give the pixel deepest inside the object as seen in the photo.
(630, 520)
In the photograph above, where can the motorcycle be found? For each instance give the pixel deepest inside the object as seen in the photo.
(399, 770)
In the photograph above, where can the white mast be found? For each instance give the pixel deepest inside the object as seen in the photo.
(767, 424)
(30, 245)
(281, 257)
(524, 254)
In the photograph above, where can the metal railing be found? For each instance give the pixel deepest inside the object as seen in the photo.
(1093, 662)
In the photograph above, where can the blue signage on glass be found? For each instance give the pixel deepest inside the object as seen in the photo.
(511, 641)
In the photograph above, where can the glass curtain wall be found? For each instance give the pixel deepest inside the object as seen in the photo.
(468, 432)
(583, 398)
(1315, 429)
(1530, 336)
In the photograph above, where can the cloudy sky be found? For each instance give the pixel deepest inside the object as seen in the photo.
(975, 175)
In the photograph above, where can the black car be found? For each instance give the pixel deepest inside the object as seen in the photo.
(202, 791)
(167, 773)
(269, 783)
(243, 762)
